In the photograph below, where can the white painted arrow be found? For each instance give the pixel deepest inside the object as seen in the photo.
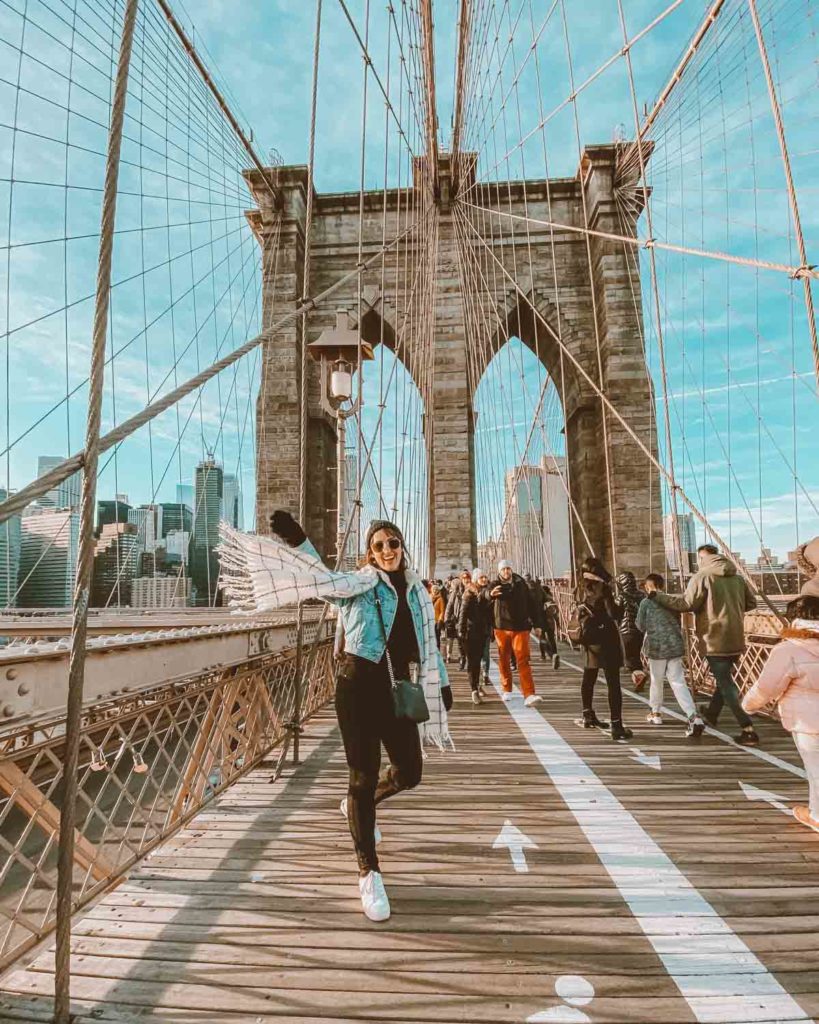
(754, 793)
(516, 842)
(649, 760)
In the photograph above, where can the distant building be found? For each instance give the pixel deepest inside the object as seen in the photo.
(162, 591)
(172, 515)
(48, 557)
(768, 562)
(144, 518)
(10, 544)
(232, 501)
(185, 495)
(116, 563)
(66, 494)
(537, 534)
(112, 511)
(209, 487)
(688, 542)
(177, 545)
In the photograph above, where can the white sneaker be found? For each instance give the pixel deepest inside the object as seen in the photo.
(476, 697)
(506, 697)
(374, 896)
(654, 718)
(533, 698)
(344, 812)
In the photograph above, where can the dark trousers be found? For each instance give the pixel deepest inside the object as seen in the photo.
(475, 646)
(547, 642)
(367, 720)
(726, 691)
(612, 674)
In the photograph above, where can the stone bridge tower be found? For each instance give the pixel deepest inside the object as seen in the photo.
(602, 283)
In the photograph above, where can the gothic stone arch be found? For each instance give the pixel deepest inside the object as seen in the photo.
(635, 493)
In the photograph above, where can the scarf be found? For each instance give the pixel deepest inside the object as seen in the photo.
(260, 574)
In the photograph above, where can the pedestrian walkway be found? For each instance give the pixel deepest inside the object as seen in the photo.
(540, 873)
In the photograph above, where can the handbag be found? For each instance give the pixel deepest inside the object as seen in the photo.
(408, 698)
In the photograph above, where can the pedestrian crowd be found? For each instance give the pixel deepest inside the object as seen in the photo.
(397, 633)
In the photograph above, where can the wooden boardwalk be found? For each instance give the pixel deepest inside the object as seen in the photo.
(252, 914)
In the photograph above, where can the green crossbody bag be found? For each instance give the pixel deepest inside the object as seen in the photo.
(408, 698)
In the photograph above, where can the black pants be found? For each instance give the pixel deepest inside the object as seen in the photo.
(475, 645)
(367, 719)
(612, 674)
(547, 642)
(632, 646)
(726, 691)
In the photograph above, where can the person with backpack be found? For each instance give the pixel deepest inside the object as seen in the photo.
(596, 628)
(719, 598)
(629, 598)
(452, 615)
(474, 627)
(664, 649)
(548, 635)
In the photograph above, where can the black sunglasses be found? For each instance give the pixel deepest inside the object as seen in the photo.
(393, 542)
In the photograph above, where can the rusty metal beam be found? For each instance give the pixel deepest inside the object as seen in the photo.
(687, 57)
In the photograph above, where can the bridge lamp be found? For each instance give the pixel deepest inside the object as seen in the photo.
(337, 350)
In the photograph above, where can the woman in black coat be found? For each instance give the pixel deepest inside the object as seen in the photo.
(474, 629)
(599, 615)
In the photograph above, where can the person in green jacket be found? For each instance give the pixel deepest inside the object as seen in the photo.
(719, 598)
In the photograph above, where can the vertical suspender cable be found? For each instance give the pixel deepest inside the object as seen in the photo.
(85, 557)
(305, 287)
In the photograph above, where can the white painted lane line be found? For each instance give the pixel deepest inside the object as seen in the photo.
(763, 755)
(733, 985)
(649, 760)
(755, 793)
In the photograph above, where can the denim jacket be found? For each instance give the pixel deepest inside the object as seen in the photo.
(360, 622)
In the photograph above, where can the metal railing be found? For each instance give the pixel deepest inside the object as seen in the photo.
(761, 635)
(149, 761)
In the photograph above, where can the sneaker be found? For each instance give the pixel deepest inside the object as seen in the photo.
(696, 727)
(703, 710)
(533, 698)
(555, 661)
(374, 897)
(591, 721)
(803, 816)
(620, 733)
(476, 697)
(654, 718)
(377, 832)
(506, 697)
(748, 738)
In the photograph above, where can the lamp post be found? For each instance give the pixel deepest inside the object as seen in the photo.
(337, 350)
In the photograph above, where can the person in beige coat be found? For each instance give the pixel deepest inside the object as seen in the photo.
(790, 678)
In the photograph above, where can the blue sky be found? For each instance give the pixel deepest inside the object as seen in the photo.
(742, 399)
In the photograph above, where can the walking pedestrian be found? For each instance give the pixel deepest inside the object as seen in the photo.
(664, 649)
(452, 615)
(629, 599)
(389, 632)
(483, 584)
(439, 608)
(719, 599)
(512, 614)
(791, 679)
(598, 615)
(548, 635)
(474, 626)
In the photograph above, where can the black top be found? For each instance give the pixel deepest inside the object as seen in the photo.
(402, 642)
(513, 607)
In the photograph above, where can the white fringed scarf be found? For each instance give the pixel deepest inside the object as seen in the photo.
(263, 574)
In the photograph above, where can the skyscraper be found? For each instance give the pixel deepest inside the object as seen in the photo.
(10, 540)
(112, 511)
(232, 501)
(537, 535)
(48, 557)
(64, 495)
(209, 490)
(174, 515)
(116, 563)
(688, 542)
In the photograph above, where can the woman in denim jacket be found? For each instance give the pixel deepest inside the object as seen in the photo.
(385, 614)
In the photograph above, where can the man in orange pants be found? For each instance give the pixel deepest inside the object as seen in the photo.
(512, 616)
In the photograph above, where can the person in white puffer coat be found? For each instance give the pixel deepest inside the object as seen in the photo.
(790, 678)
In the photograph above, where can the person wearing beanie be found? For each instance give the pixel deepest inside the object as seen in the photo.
(513, 613)
(474, 626)
(388, 624)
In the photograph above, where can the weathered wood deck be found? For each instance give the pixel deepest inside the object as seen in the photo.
(252, 914)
